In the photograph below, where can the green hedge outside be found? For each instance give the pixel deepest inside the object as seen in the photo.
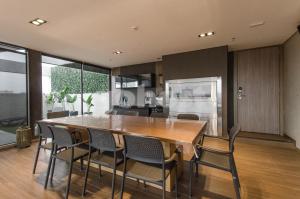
(93, 82)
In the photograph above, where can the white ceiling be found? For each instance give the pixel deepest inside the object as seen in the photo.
(90, 30)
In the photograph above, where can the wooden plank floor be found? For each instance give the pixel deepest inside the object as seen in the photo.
(267, 169)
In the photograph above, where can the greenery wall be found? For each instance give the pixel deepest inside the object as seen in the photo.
(93, 82)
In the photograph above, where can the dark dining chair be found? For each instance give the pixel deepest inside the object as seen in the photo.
(72, 153)
(44, 133)
(223, 160)
(128, 113)
(144, 160)
(187, 116)
(104, 152)
(159, 115)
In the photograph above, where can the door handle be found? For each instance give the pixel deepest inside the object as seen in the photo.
(240, 93)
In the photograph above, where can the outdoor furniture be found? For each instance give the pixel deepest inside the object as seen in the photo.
(72, 153)
(107, 154)
(144, 160)
(223, 160)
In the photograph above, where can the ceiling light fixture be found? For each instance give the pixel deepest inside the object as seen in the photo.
(38, 22)
(206, 34)
(117, 52)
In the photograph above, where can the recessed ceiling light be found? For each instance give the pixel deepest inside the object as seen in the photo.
(117, 52)
(38, 21)
(35, 23)
(210, 33)
(206, 34)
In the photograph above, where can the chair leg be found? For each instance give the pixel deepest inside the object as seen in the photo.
(236, 173)
(49, 167)
(52, 169)
(164, 189)
(69, 179)
(113, 183)
(123, 178)
(235, 178)
(236, 186)
(53, 164)
(100, 173)
(81, 164)
(176, 182)
(191, 176)
(164, 185)
(37, 155)
(86, 175)
(197, 170)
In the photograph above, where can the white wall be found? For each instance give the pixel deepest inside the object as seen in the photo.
(291, 88)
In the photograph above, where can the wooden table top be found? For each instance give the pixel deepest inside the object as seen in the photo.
(168, 130)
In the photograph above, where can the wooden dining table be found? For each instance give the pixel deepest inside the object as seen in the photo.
(172, 132)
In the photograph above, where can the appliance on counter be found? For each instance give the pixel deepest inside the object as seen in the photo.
(200, 96)
(150, 99)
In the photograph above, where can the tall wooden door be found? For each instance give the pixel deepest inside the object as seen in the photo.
(258, 89)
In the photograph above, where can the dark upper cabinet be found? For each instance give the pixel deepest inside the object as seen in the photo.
(134, 81)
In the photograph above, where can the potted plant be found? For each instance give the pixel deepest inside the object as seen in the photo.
(50, 100)
(61, 95)
(71, 100)
(89, 104)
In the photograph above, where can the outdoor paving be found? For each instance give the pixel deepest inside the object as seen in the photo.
(7, 138)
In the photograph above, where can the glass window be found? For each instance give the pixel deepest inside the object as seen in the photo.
(13, 93)
(95, 90)
(61, 85)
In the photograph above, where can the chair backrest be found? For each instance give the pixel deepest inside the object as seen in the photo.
(129, 113)
(148, 150)
(61, 136)
(159, 115)
(234, 131)
(102, 140)
(188, 116)
(44, 130)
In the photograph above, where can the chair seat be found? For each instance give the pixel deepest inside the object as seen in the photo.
(106, 158)
(66, 155)
(215, 159)
(143, 171)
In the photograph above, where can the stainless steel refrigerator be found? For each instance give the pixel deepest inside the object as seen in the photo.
(200, 96)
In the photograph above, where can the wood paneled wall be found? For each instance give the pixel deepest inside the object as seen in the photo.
(257, 74)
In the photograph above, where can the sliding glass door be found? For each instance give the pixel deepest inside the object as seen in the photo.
(95, 90)
(13, 93)
(73, 88)
(61, 86)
